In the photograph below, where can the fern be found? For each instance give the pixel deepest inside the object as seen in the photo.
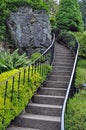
(11, 61)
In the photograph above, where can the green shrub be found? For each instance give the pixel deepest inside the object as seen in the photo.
(35, 56)
(80, 73)
(80, 77)
(5, 75)
(10, 61)
(82, 63)
(20, 96)
(75, 118)
(67, 38)
(82, 40)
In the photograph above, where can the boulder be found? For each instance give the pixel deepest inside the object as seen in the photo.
(29, 29)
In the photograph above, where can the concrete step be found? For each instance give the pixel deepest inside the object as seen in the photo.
(63, 60)
(55, 84)
(57, 68)
(65, 73)
(48, 99)
(44, 109)
(58, 78)
(59, 61)
(63, 57)
(64, 54)
(64, 64)
(57, 47)
(51, 91)
(38, 122)
(60, 50)
(12, 127)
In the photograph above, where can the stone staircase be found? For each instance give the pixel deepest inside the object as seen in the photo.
(44, 110)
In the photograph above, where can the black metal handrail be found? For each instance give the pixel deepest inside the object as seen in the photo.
(30, 70)
(71, 89)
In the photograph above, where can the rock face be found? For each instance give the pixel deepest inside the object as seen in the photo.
(30, 30)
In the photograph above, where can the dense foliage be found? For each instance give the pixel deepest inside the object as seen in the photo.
(82, 4)
(76, 112)
(80, 73)
(82, 40)
(68, 16)
(67, 38)
(12, 108)
(10, 61)
(52, 13)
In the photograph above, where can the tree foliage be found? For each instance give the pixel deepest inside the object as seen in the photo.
(83, 11)
(69, 16)
(53, 6)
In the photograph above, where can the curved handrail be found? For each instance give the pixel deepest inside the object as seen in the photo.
(33, 62)
(69, 87)
(24, 74)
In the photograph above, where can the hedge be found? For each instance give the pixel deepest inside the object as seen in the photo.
(75, 118)
(12, 109)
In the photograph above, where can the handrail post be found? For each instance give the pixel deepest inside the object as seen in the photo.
(5, 92)
(12, 89)
(19, 83)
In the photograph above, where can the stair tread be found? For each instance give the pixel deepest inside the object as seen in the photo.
(44, 105)
(19, 128)
(62, 66)
(41, 117)
(45, 88)
(53, 81)
(55, 75)
(49, 96)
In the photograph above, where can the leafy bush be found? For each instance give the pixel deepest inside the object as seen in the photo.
(80, 73)
(68, 39)
(21, 95)
(82, 40)
(75, 118)
(82, 63)
(5, 75)
(35, 56)
(10, 61)
(80, 77)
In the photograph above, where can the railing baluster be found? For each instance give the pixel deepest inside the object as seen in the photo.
(5, 92)
(28, 73)
(19, 83)
(24, 77)
(35, 67)
(32, 70)
(38, 67)
(12, 89)
(42, 59)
